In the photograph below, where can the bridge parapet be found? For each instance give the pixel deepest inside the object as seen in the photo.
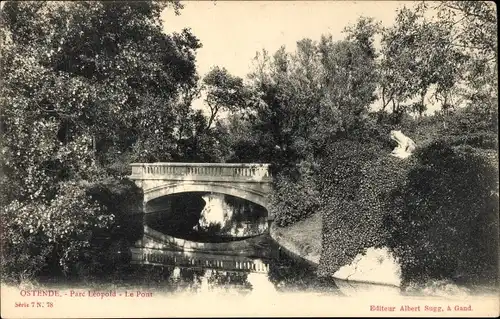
(202, 171)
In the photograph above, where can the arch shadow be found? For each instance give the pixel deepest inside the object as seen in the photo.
(258, 197)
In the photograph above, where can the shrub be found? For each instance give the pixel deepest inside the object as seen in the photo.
(421, 207)
(295, 196)
(109, 247)
(483, 140)
(446, 221)
(356, 181)
(40, 235)
(75, 230)
(123, 199)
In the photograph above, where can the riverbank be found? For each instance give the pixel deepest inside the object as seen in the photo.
(302, 238)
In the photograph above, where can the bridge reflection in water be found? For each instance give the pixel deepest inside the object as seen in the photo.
(148, 256)
(205, 217)
(214, 272)
(252, 265)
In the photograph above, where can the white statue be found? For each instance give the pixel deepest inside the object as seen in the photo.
(405, 147)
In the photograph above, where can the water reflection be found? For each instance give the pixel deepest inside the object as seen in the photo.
(208, 242)
(207, 217)
(203, 272)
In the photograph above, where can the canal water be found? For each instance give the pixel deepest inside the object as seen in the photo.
(203, 242)
(181, 271)
(208, 241)
(205, 254)
(267, 270)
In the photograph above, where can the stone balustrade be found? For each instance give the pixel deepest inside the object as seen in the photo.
(233, 263)
(203, 171)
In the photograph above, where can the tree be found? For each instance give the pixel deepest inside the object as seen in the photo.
(451, 54)
(223, 92)
(363, 32)
(85, 85)
(351, 80)
(417, 55)
(473, 25)
(121, 51)
(319, 92)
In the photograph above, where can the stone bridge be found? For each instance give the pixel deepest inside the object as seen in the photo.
(248, 181)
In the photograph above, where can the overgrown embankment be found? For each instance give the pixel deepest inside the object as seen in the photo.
(436, 211)
(420, 208)
(356, 188)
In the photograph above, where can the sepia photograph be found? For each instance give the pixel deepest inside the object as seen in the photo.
(249, 159)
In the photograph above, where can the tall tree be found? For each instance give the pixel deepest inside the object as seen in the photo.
(312, 95)
(121, 51)
(417, 54)
(223, 92)
(473, 25)
(83, 83)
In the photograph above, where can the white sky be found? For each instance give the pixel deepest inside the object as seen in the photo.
(233, 31)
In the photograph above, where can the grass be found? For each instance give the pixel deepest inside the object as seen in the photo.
(302, 238)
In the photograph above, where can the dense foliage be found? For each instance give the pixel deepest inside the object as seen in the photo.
(355, 177)
(295, 196)
(451, 196)
(86, 86)
(420, 207)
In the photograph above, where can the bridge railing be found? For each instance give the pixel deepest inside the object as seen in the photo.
(228, 263)
(193, 170)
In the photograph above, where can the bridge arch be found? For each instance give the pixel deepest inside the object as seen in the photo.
(252, 195)
(250, 181)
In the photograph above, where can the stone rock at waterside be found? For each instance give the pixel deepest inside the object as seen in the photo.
(375, 266)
